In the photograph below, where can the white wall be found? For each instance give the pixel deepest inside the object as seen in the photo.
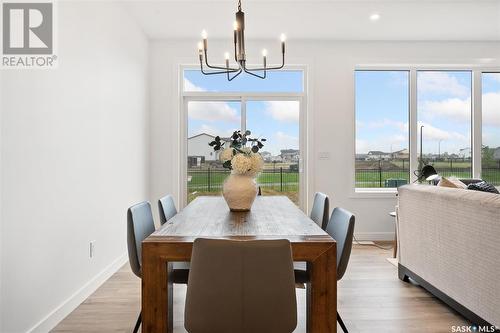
(75, 156)
(330, 113)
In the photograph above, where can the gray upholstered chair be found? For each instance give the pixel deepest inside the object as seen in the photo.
(320, 210)
(166, 208)
(228, 293)
(341, 228)
(140, 225)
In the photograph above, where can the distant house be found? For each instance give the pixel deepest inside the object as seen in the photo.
(465, 152)
(266, 156)
(290, 155)
(402, 154)
(199, 151)
(361, 157)
(496, 153)
(375, 155)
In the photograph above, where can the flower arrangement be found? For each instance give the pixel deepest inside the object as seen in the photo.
(240, 153)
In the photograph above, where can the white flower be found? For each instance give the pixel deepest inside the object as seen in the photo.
(257, 164)
(241, 164)
(248, 165)
(226, 154)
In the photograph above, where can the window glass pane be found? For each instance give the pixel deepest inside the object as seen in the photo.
(278, 123)
(276, 81)
(445, 111)
(382, 109)
(207, 119)
(491, 128)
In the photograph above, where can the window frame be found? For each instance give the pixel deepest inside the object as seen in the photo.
(243, 97)
(477, 72)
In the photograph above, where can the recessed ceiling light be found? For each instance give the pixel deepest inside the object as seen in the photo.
(375, 17)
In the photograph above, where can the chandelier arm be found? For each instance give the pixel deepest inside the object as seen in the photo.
(269, 68)
(256, 75)
(218, 67)
(215, 72)
(234, 76)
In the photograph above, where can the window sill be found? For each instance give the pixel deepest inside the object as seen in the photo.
(367, 193)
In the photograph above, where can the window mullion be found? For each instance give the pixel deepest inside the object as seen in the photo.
(413, 125)
(476, 123)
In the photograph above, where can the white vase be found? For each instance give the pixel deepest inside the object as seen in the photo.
(239, 191)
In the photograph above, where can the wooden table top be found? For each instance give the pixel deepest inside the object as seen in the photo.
(270, 217)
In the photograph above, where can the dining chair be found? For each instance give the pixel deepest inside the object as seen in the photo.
(166, 208)
(140, 225)
(341, 228)
(228, 293)
(320, 210)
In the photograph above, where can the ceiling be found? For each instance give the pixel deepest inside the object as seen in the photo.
(471, 20)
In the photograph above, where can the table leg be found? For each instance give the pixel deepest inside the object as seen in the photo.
(157, 293)
(322, 293)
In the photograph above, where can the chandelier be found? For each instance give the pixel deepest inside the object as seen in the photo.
(239, 53)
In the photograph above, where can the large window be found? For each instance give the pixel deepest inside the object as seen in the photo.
(382, 139)
(269, 108)
(490, 155)
(444, 107)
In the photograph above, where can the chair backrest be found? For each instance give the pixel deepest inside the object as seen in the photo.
(241, 286)
(320, 208)
(166, 208)
(140, 225)
(341, 228)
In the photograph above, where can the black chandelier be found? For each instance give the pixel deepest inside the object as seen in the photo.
(239, 53)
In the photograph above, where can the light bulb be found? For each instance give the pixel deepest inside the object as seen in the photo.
(226, 55)
(235, 25)
(200, 46)
(283, 38)
(204, 34)
(264, 52)
(375, 17)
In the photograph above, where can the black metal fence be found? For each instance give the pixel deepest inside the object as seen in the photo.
(397, 177)
(211, 179)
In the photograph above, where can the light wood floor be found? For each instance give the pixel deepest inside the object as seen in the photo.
(371, 299)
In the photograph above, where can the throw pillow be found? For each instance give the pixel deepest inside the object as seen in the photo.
(483, 186)
(452, 182)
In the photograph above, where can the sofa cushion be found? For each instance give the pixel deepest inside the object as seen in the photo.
(483, 186)
(452, 182)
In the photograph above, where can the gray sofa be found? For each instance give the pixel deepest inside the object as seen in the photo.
(449, 242)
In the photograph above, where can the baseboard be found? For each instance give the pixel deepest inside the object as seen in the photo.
(374, 236)
(64, 309)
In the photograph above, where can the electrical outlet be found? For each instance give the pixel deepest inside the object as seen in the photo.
(324, 155)
(92, 249)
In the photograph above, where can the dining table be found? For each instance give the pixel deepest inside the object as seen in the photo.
(271, 217)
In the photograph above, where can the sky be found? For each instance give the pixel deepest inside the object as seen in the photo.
(276, 121)
(381, 105)
(443, 108)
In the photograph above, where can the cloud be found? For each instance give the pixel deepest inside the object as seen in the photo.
(454, 109)
(432, 133)
(441, 82)
(284, 110)
(190, 86)
(491, 109)
(286, 141)
(386, 123)
(213, 111)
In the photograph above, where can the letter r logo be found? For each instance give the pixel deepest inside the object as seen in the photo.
(27, 28)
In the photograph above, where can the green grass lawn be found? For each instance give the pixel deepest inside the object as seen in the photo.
(289, 181)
